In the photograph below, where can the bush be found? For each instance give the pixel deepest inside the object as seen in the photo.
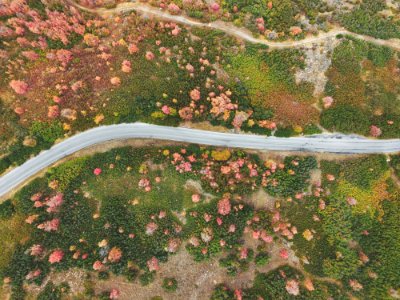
(363, 171)
(364, 22)
(346, 58)
(379, 55)
(6, 209)
(311, 129)
(170, 284)
(271, 285)
(47, 132)
(146, 278)
(103, 275)
(382, 245)
(284, 132)
(53, 292)
(346, 119)
(222, 292)
(262, 259)
(337, 224)
(395, 164)
(66, 172)
(290, 184)
(131, 274)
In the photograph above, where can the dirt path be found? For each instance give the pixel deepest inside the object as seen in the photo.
(229, 28)
(394, 176)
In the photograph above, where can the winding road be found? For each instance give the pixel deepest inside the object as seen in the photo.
(230, 29)
(345, 144)
(332, 144)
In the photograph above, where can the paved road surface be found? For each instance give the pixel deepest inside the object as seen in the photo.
(332, 144)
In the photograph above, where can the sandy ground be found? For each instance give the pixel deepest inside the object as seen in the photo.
(196, 280)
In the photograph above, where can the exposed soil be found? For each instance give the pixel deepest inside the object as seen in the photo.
(205, 126)
(261, 200)
(196, 187)
(196, 280)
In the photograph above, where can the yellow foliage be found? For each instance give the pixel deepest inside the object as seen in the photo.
(98, 118)
(298, 129)
(66, 127)
(172, 111)
(221, 155)
(368, 201)
(158, 115)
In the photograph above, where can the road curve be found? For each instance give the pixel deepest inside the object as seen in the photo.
(230, 29)
(344, 145)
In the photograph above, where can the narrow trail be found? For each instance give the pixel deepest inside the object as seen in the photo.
(230, 29)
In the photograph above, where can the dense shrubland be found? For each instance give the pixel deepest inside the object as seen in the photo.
(120, 212)
(124, 212)
(66, 71)
(362, 90)
(366, 19)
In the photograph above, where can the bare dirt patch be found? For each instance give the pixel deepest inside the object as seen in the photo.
(196, 187)
(75, 278)
(205, 126)
(195, 280)
(261, 200)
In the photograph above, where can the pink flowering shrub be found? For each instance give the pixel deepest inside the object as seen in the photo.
(126, 66)
(98, 265)
(224, 206)
(54, 203)
(56, 256)
(20, 87)
(64, 56)
(151, 228)
(53, 111)
(195, 95)
(49, 226)
(114, 294)
(375, 131)
(292, 287)
(186, 113)
(149, 55)
(174, 9)
(166, 110)
(152, 264)
(97, 171)
(36, 250)
(30, 55)
(115, 81)
(132, 48)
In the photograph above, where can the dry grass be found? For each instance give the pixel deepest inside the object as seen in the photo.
(12, 232)
(289, 110)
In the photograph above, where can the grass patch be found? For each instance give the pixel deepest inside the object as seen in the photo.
(169, 193)
(12, 232)
(368, 200)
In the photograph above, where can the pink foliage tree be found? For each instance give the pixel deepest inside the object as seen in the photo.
(375, 131)
(64, 56)
(19, 86)
(115, 254)
(224, 206)
(152, 264)
(56, 256)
